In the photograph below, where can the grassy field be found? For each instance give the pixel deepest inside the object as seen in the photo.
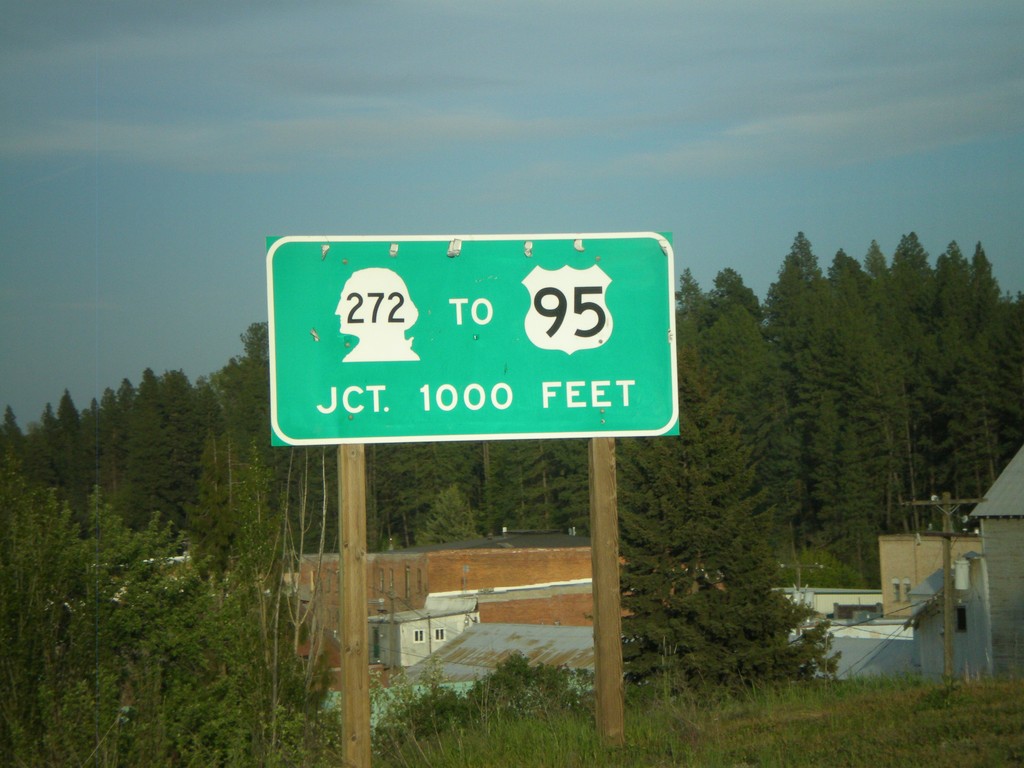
(903, 722)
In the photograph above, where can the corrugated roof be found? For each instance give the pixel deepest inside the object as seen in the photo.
(477, 651)
(1006, 496)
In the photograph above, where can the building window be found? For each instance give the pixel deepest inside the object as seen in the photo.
(419, 635)
(419, 581)
(961, 618)
(380, 573)
(896, 590)
(407, 580)
(439, 633)
(906, 590)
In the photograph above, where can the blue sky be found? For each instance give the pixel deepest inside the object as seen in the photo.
(147, 148)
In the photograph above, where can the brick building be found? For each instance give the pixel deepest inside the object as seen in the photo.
(523, 577)
(526, 577)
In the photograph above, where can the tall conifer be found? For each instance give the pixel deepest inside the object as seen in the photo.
(698, 574)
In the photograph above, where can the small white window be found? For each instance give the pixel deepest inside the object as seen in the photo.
(419, 635)
(439, 633)
(896, 590)
(906, 590)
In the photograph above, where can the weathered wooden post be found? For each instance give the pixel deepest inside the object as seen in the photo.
(355, 656)
(604, 553)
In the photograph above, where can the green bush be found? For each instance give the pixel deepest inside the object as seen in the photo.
(517, 689)
(409, 715)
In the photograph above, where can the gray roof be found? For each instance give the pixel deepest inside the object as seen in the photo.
(477, 651)
(1006, 496)
(931, 586)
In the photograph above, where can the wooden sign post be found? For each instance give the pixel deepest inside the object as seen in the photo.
(355, 656)
(604, 554)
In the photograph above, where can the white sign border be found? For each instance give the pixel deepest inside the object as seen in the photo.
(663, 242)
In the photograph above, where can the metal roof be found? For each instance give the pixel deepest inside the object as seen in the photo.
(434, 608)
(931, 586)
(1006, 496)
(477, 651)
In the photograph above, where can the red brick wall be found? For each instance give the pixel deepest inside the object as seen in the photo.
(493, 568)
(321, 590)
(405, 576)
(453, 571)
(569, 610)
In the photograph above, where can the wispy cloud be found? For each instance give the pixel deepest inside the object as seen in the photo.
(267, 144)
(836, 136)
(663, 88)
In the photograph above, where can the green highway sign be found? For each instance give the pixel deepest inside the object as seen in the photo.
(474, 337)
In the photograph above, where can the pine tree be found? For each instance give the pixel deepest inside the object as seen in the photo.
(796, 313)
(71, 455)
(911, 296)
(243, 388)
(848, 451)
(883, 391)
(212, 523)
(691, 307)
(697, 576)
(165, 444)
(451, 518)
(41, 450)
(733, 346)
(1007, 338)
(112, 437)
(11, 437)
(406, 478)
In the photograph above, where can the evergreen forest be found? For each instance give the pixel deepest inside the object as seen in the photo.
(854, 386)
(808, 419)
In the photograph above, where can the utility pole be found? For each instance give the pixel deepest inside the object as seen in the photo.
(947, 506)
(798, 596)
(799, 568)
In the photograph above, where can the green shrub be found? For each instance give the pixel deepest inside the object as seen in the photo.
(518, 689)
(409, 717)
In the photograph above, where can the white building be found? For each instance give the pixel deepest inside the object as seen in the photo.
(829, 602)
(1001, 517)
(988, 598)
(404, 638)
(972, 638)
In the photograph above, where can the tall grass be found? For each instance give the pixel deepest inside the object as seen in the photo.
(891, 722)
